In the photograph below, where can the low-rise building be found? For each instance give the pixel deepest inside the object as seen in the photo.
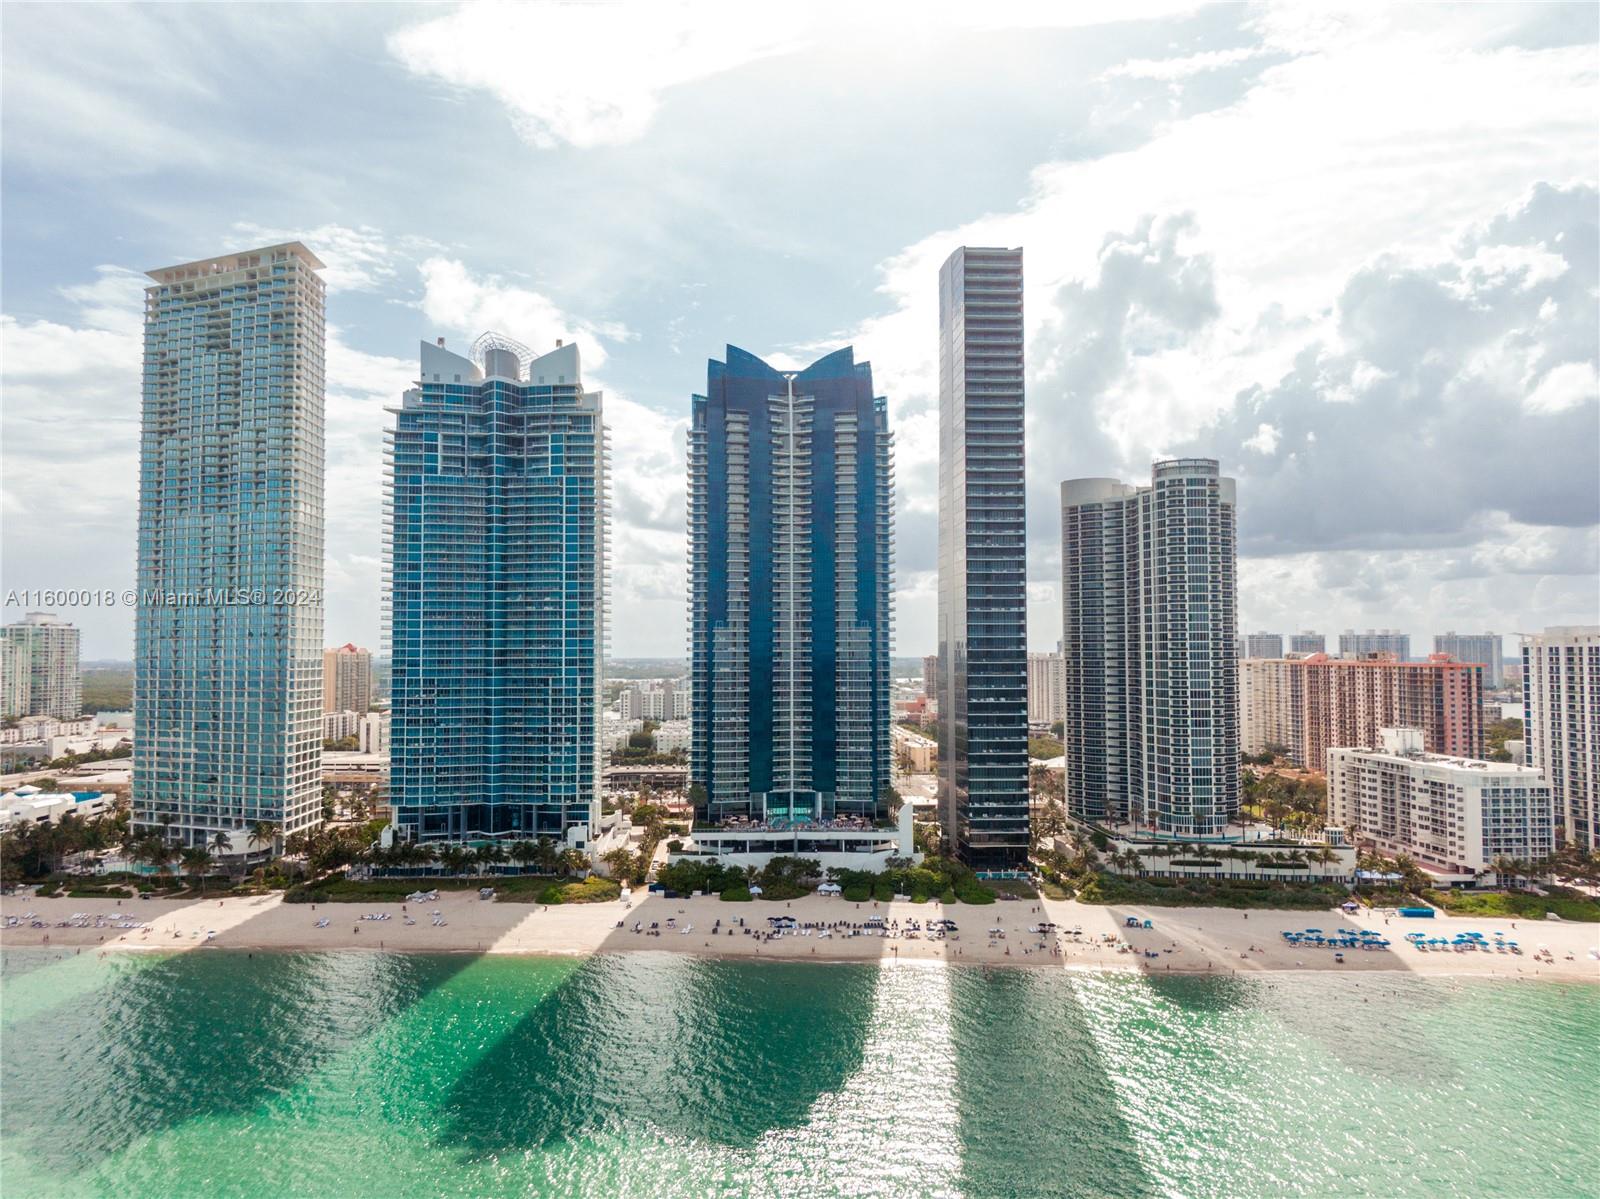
(673, 736)
(372, 734)
(32, 805)
(1453, 815)
(913, 753)
(846, 842)
(1255, 854)
(336, 726)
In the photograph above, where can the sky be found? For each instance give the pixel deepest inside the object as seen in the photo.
(1350, 252)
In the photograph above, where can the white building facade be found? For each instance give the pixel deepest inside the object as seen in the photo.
(1151, 731)
(1046, 686)
(1453, 815)
(1561, 724)
(39, 674)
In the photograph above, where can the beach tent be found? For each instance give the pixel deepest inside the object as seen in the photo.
(829, 889)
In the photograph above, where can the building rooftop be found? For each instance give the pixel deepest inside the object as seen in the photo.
(239, 260)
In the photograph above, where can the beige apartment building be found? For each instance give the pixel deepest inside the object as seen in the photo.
(346, 679)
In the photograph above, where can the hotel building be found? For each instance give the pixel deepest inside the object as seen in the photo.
(1313, 704)
(1148, 594)
(226, 673)
(1454, 815)
(497, 592)
(1561, 724)
(39, 673)
(983, 593)
(790, 562)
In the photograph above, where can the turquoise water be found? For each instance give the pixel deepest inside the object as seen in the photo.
(218, 1074)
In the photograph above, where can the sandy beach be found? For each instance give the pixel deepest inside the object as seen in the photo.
(1184, 940)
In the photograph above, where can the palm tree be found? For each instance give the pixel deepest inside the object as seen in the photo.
(487, 855)
(523, 852)
(263, 833)
(454, 857)
(573, 860)
(195, 862)
(545, 855)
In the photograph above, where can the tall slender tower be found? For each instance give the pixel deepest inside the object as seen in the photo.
(791, 498)
(496, 596)
(983, 608)
(1561, 722)
(228, 666)
(1149, 617)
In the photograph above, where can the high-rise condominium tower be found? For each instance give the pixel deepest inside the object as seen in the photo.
(1045, 681)
(497, 591)
(1561, 714)
(1148, 615)
(1375, 641)
(346, 679)
(1482, 648)
(227, 677)
(1307, 643)
(39, 673)
(791, 499)
(983, 608)
(1263, 645)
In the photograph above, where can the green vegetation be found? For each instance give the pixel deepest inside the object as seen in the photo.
(593, 889)
(789, 878)
(107, 689)
(1495, 736)
(1044, 748)
(688, 876)
(1297, 804)
(515, 888)
(1209, 893)
(1518, 905)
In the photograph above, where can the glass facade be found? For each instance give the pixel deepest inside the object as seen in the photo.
(983, 615)
(1148, 596)
(790, 560)
(496, 596)
(228, 632)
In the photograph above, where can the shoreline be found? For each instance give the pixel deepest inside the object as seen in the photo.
(1193, 941)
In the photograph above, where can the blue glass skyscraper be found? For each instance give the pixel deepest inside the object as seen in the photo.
(497, 584)
(228, 632)
(983, 608)
(790, 561)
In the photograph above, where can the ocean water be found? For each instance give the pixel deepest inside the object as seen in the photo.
(221, 1074)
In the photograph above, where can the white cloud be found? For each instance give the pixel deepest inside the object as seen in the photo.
(1567, 386)
(357, 259)
(1265, 440)
(1172, 69)
(456, 300)
(594, 74)
(1378, 134)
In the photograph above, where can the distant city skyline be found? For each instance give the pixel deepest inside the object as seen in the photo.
(1434, 294)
